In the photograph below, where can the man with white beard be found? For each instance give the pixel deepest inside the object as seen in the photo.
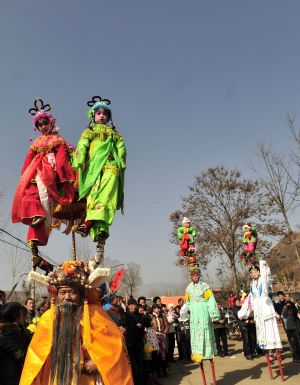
(76, 343)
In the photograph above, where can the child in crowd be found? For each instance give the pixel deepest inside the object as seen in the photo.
(151, 350)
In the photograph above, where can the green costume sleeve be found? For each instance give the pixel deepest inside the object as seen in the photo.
(121, 150)
(180, 233)
(192, 234)
(81, 150)
(212, 305)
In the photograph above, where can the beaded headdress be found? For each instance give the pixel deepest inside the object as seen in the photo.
(72, 273)
(41, 110)
(96, 103)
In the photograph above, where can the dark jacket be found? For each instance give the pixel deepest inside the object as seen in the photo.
(289, 316)
(242, 323)
(218, 324)
(14, 342)
(279, 306)
(134, 334)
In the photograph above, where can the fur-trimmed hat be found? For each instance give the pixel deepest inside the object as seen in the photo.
(185, 220)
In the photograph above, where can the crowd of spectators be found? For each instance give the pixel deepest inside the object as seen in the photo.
(151, 330)
(150, 333)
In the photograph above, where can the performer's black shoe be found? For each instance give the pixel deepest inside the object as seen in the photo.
(103, 235)
(249, 357)
(37, 220)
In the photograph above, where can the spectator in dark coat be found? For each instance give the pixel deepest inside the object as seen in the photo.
(247, 329)
(281, 303)
(2, 299)
(30, 315)
(220, 334)
(291, 323)
(177, 331)
(132, 323)
(14, 342)
(184, 336)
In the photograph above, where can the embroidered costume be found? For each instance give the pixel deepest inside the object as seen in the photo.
(100, 160)
(203, 310)
(267, 332)
(47, 178)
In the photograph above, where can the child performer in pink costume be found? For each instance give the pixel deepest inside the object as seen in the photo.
(47, 178)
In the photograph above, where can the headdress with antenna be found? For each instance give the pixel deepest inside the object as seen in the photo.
(96, 103)
(41, 110)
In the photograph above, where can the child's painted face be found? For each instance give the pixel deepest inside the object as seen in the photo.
(101, 116)
(44, 127)
(254, 274)
(195, 277)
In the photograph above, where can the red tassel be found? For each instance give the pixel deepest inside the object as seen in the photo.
(114, 285)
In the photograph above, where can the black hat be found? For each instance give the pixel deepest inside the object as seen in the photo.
(131, 301)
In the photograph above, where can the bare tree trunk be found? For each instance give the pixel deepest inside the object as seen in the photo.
(234, 274)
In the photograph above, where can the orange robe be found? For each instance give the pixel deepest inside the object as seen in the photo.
(107, 350)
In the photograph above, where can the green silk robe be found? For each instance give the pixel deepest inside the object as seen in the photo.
(100, 160)
(203, 310)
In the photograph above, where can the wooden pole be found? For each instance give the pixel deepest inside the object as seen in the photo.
(269, 366)
(73, 245)
(280, 364)
(202, 373)
(212, 365)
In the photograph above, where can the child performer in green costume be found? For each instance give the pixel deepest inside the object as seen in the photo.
(100, 160)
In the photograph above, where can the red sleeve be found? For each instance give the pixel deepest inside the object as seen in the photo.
(64, 169)
(30, 155)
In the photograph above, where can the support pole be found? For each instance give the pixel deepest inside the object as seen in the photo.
(269, 366)
(212, 365)
(280, 364)
(73, 245)
(202, 373)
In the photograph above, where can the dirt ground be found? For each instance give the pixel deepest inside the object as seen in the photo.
(235, 369)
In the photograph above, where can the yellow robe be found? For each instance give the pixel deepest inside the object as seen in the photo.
(107, 350)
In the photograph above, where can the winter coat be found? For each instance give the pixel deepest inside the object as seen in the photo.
(14, 342)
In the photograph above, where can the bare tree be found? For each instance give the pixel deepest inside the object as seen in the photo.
(282, 188)
(132, 278)
(219, 203)
(287, 280)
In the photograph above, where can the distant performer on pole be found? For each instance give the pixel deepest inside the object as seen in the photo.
(187, 236)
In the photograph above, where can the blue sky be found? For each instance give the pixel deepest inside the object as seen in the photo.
(193, 85)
